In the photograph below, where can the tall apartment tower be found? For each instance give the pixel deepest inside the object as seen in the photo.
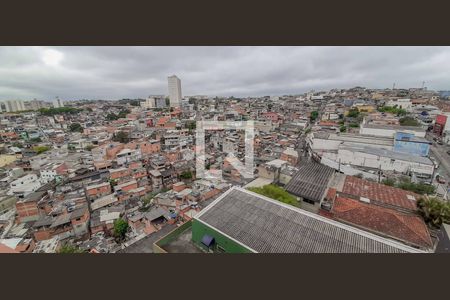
(174, 91)
(11, 105)
(58, 103)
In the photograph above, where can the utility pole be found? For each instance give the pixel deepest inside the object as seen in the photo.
(379, 174)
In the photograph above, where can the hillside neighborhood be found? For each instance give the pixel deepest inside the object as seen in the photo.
(354, 170)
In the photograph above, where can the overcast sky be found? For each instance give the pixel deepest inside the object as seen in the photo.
(136, 72)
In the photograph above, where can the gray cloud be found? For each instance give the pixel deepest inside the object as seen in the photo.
(131, 72)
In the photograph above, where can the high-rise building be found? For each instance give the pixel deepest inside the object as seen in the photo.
(12, 105)
(148, 103)
(58, 103)
(174, 91)
(155, 101)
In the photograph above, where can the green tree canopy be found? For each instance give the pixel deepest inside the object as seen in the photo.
(419, 188)
(314, 115)
(121, 137)
(112, 117)
(393, 110)
(353, 113)
(76, 127)
(120, 228)
(435, 212)
(41, 149)
(59, 110)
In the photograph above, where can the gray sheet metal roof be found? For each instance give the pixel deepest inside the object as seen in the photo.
(395, 127)
(388, 153)
(310, 181)
(155, 213)
(268, 226)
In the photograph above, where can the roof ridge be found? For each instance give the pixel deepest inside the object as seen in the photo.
(402, 218)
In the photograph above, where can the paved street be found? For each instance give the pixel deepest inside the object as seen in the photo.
(440, 153)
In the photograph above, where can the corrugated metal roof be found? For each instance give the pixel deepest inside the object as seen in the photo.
(268, 226)
(310, 181)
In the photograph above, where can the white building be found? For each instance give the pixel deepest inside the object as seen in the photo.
(174, 91)
(374, 159)
(58, 103)
(148, 103)
(127, 155)
(389, 130)
(25, 185)
(400, 103)
(12, 105)
(177, 140)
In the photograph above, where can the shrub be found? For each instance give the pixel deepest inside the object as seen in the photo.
(434, 211)
(277, 193)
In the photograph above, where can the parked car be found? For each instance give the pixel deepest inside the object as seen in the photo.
(440, 179)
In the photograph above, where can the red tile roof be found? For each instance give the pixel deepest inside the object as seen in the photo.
(381, 193)
(6, 249)
(329, 123)
(331, 194)
(405, 227)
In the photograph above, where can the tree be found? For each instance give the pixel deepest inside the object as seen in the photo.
(191, 125)
(353, 113)
(41, 149)
(59, 110)
(343, 128)
(186, 175)
(419, 188)
(388, 181)
(123, 113)
(112, 117)
(277, 193)
(68, 248)
(121, 137)
(435, 212)
(314, 115)
(120, 228)
(76, 127)
(17, 145)
(393, 110)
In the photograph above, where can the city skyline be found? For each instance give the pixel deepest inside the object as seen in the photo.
(135, 72)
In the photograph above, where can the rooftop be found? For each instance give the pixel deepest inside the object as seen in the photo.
(265, 225)
(380, 193)
(388, 153)
(311, 181)
(406, 227)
